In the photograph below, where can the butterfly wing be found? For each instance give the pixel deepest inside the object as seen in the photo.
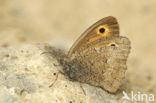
(105, 27)
(102, 63)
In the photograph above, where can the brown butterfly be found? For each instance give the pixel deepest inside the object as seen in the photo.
(99, 56)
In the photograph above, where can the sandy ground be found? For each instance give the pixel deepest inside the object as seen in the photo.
(61, 23)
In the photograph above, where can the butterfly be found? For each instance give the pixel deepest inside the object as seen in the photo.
(99, 55)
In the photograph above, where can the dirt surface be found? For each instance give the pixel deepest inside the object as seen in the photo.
(61, 23)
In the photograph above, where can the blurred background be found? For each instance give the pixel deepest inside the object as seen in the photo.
(61, 22)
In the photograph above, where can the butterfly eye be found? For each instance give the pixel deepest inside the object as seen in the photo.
(113, 44)
(102, 30)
